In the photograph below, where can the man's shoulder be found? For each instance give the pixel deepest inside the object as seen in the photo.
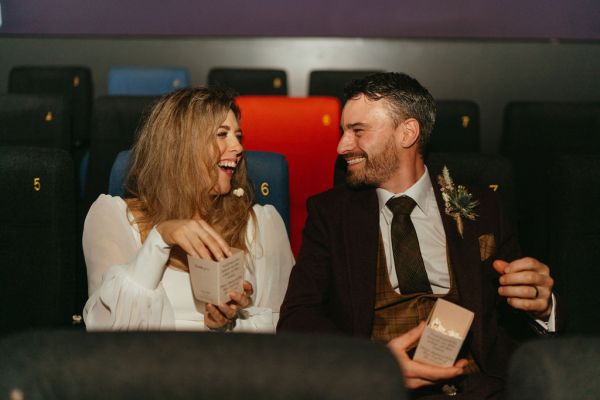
(341, 193)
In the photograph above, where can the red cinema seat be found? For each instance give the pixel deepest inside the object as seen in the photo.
(306, 131)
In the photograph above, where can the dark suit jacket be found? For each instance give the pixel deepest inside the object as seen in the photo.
(332, 286)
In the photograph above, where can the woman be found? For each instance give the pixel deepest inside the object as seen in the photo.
(187, 162)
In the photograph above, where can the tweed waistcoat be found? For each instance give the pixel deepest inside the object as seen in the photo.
(396, 314)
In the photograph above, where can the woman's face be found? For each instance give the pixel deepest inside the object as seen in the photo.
(229, 137)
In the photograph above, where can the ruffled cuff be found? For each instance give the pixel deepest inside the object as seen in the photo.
(121, 303)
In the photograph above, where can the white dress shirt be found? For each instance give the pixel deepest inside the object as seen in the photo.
(427, 221)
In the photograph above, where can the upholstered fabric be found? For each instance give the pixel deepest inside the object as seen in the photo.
(37, 238)
(60, 365)
(250, 81)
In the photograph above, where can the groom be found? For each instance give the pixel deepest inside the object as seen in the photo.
(378, 252)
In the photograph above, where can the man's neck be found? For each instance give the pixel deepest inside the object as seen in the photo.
(406, 176)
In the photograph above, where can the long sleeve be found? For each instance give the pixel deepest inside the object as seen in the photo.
(270, 262)
(123, 278)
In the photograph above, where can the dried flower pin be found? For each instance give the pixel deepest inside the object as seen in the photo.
(457, 200)
(239, 192)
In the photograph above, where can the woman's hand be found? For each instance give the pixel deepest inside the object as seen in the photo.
(224, 315)
(196, 237)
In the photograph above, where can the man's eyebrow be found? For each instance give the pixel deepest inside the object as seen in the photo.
(356, 125)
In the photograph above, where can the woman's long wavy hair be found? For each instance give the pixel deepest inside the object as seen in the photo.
(174, 172)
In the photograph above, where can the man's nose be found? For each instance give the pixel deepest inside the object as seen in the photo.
(346, 143)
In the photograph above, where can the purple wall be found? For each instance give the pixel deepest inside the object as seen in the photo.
(485, 19)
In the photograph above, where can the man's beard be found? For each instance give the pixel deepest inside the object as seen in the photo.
(378, 168)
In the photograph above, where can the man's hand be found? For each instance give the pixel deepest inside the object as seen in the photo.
(417, 374)
(527, 285)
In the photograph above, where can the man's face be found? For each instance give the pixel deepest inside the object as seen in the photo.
(368, 142)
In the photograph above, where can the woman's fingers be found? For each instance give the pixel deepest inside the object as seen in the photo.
(217, 243)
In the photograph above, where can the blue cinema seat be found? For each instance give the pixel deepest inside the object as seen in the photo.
(145, 81)
(268, 172)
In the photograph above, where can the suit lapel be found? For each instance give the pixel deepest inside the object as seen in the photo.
(464, 256)
(361, 234)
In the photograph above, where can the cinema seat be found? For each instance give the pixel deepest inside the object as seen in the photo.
(533, 134)
(574, 240)
(267, 171)
(306, 131)
(476, 170)
(37, 238)
(114, 125)
(556, 369)
(74, 83)
(250, 81)
(196, 365)
(456, 127)
(332, 82)
(33, 120)
(145, 81)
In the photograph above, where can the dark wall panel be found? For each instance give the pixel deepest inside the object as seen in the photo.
(514, 19)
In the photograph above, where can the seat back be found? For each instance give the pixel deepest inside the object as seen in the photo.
(267, 171)
(32, 120)
(186, 365)
(145, 81)
(476, 170)
(114, 125)
(74, 83)
(306, 132)
(533, 134)
(456, 127)
(333, 82)
(574, 220)
(37, 238)
(250, 81)
(555, 369)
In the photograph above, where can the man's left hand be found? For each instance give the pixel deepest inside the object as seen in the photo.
(527, 285)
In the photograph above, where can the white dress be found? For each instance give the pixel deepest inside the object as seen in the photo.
(131, 287)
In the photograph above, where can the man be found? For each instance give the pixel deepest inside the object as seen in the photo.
(377, 253)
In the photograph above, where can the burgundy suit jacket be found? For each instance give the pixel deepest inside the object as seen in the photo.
(332, 286)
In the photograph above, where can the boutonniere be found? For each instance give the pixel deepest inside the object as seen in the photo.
(457, 199)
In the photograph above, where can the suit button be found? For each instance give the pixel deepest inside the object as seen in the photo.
(449, 390)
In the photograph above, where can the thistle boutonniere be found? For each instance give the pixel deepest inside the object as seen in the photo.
(457, 199)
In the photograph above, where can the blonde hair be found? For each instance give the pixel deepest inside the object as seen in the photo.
(174, 173)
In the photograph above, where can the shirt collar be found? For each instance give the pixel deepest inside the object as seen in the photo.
(419, 192)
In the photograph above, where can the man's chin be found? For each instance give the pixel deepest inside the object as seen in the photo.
(357, 182)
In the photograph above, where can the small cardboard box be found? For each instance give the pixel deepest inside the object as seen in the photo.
(212, 281)
(447, 326)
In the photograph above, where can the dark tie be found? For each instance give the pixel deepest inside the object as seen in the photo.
(410, 269)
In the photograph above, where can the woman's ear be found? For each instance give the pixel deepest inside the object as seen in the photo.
(410, 132)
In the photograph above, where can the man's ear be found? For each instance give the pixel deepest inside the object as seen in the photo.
(410, 132)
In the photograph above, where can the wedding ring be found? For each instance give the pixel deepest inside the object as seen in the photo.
(537, 292)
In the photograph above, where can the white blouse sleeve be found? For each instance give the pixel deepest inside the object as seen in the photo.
(123, 278)
(269, 265)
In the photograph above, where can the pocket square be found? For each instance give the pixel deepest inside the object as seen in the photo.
(487, 246)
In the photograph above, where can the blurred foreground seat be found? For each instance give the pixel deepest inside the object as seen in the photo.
(556, 369)
(162, 365)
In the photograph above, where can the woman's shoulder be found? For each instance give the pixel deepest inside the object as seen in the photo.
(106, 204)
(266, 214)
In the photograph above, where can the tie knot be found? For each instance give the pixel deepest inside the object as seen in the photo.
(401, 205)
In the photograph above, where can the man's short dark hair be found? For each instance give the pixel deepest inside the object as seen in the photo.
(405, 96)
